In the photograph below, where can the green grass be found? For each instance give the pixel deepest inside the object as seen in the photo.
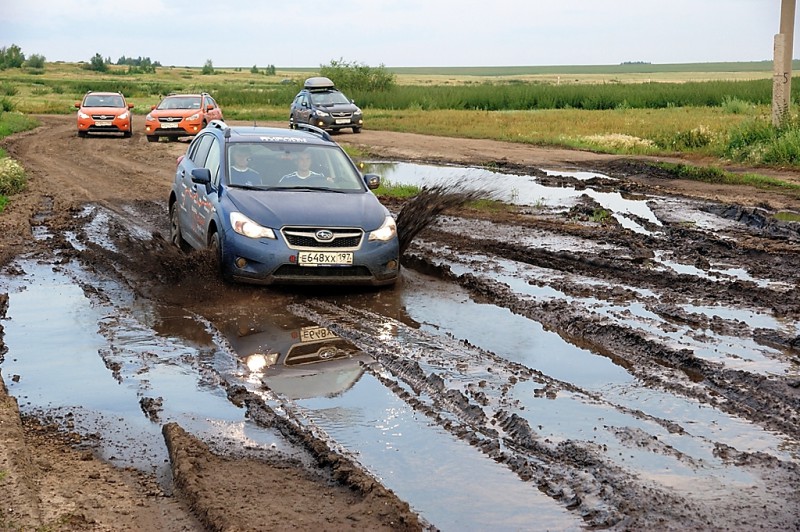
(12, 176)
(392, 190)
(713, 174)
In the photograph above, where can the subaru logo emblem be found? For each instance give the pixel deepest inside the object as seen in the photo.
(324, 234)
(326, 353)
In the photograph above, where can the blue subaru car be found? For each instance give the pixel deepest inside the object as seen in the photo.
(281, 206)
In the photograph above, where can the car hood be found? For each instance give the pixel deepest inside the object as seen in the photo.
(174, 112)
(339, 107)
(276, 209)
(116, 111)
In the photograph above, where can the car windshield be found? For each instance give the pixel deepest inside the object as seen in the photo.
(280, 166)
(328, 98)
(103, 101)
(180, 102)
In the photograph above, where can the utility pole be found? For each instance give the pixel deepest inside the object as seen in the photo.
(782, 64)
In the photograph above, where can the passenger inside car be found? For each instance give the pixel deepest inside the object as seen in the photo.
(240, 171)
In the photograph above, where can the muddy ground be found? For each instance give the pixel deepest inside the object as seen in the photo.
(51, 478)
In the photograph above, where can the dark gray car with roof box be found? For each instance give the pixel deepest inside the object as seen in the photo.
(321, 104)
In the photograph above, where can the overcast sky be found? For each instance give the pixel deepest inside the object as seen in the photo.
(395, 32)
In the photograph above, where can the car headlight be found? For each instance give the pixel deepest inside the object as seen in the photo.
(357, 112)
(149, 117)
(247, 227)
(83, 115)
(123, 116)
(386, 232)
(195, 116)
(320, 113)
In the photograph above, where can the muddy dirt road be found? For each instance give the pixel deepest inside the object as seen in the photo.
(620, 351)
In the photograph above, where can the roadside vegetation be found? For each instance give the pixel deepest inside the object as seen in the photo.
(718, 111)
(12, 175)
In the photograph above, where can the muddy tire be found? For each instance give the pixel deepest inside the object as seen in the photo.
(152, 138)
(216, 248)
(175, 235)
(82, 134)
(356, 130)
(292, 125)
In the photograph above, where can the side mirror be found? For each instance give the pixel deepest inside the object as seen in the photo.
(130, 106)
(201, 176)
(153, 107)
(373, 181)
(77, 105)
(210, 106)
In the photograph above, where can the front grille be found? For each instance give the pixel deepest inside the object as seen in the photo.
(301, 354)
(293, 271)
(306, 238)
(103, 117)
(341, 115)
(170, 119)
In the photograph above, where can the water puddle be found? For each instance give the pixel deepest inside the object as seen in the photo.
(517, 189)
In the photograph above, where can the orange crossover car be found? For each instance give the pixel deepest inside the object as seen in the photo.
(104, 112)
(181, 115)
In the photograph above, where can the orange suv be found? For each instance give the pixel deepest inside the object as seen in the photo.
(104, 112)
(181, 115)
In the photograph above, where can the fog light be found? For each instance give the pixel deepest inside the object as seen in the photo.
(240, 262)
(391, 265)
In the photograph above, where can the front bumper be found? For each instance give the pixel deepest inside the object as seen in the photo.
(333, 122)
(269, 262)
(175, 129)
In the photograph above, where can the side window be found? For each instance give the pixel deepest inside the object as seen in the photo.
(212, 161)
(201, 152)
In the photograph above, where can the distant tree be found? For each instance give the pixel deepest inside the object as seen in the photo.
(358, 76)
(208, 67)
(254, 70)
(11, 57)
(270, 70)
(35, 61)
(97, 63)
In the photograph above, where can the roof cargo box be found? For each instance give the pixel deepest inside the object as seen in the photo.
(318, 83)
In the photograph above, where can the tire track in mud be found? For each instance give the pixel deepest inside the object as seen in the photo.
(465, 390)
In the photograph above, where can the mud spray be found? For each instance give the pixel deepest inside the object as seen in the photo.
(421, 210)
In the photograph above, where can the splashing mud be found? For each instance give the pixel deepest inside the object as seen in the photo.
(419, 212)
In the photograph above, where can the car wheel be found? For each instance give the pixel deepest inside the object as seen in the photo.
(356, 130)
(127, 134)
(175, 235)
(216, 248)
(292, 125)
(82, 134)
(152, 138)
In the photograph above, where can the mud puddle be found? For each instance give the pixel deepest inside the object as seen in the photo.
(550, 369)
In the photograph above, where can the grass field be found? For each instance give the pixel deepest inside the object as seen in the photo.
(713, 109)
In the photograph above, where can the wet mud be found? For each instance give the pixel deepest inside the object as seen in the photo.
(618, 357)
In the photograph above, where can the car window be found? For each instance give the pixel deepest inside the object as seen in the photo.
(212, 161)
(200, 154)
(180, 102)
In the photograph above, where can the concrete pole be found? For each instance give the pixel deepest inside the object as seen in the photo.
(782, 63)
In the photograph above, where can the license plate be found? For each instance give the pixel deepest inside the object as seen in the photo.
(102, 122)
(342, 120)
(169, 125)
(311, 334)
(324, 258)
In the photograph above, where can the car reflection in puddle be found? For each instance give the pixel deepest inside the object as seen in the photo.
(298, 362)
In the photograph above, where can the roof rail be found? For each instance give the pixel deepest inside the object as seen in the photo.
(314, 129)
(220, 124)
